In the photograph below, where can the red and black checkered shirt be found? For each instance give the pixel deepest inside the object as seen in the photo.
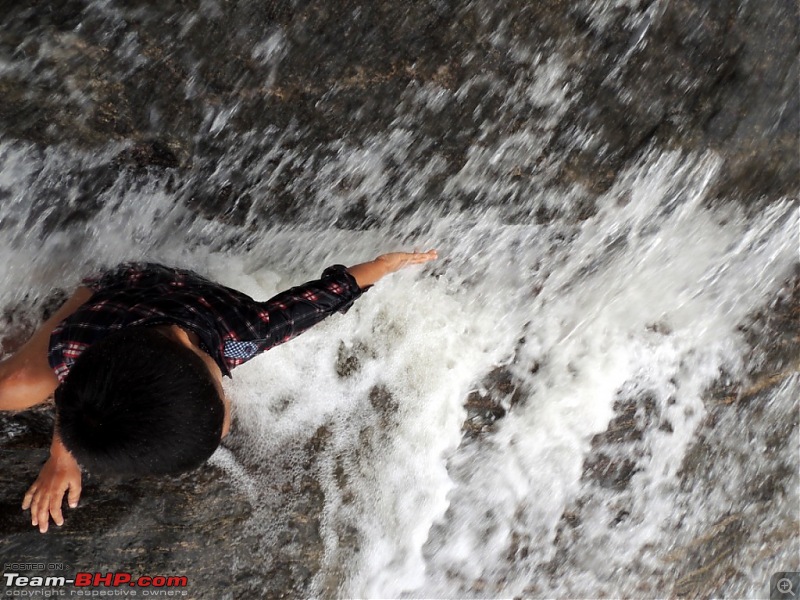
(232, 327)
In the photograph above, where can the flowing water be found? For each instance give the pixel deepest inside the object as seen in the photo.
(639, 302)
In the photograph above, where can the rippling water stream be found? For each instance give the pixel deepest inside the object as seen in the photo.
(596, 318)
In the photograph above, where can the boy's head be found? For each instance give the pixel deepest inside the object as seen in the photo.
(139, 402)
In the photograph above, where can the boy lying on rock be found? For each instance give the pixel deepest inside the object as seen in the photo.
(136, 358)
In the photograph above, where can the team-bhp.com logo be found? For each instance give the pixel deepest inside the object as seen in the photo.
(93, 585)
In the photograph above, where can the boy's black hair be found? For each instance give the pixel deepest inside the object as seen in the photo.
(138, 402)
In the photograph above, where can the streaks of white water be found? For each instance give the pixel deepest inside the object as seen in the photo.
(269, 52)
(681, 267)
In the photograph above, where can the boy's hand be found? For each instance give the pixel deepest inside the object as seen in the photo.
(397, 260)
(59, 474)
(368, 273)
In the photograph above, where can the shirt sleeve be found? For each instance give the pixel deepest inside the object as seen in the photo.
(292, 312)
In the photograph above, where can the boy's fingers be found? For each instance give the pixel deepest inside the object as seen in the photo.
(55, 508)
(417, 257)
(43, 515)
(35, 510)
(421, 257)
(74, 494)
(26, 500)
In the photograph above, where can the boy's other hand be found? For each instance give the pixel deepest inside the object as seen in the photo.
(59, 474)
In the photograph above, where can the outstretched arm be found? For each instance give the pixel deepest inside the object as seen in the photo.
(293, 311)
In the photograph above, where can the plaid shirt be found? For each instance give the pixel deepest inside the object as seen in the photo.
(232, 327)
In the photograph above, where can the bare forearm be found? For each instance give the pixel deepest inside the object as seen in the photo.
(366, 274)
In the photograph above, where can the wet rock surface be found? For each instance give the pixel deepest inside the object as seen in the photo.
(298, 77)
(498, 392)
(711, 557)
